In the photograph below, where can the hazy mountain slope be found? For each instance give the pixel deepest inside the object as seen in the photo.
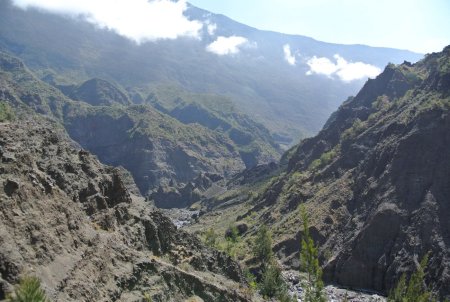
(153, 146)
(69, 220)
(374, 181)
(282, 97)
(96, 92)
(254, 141)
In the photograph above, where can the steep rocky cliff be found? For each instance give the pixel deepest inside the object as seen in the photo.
(70, 220)
(375, 182)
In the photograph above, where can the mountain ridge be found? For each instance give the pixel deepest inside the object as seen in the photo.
(263, 85)
(153, 146)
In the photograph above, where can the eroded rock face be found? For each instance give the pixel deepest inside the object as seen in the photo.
(145, 142)
(72, 222)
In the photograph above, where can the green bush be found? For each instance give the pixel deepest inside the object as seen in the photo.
(251, 279)
(325, 159)
(233, 234)
(147, 297)
(210, 237)
(28, 290)
(6, 112)
(357, 127)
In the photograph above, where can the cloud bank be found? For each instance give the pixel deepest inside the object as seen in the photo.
(288, 56)
(138, 20)
(345, 71)
(227, 45)
(211, 27)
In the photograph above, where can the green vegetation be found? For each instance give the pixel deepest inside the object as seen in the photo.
(147, 297)
(444, 63)
(231, 246)
(6, 112)
(233, 234)
(210, 237)
(28, 290)
(415, 289)
(251, 279)
(310, 264)
(97, 92)
(357, 127)
(231, 243)
(381, 103)
(324, 159)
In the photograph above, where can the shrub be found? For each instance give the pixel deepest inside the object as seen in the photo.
(6, 112)
(210, 237)
(324, 159)
(357, 127)
(232, 233)
(28, 290)
(251, 279)
(147, 297)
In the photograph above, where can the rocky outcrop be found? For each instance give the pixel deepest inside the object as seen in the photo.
(71, 221)
(184, 195)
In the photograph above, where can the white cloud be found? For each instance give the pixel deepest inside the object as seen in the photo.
(227, 45)
(321, 66)
(288, 56)
(138, 20)
(211, 27)
(344, 70)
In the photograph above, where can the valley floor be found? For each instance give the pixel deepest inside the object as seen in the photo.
(186, 219)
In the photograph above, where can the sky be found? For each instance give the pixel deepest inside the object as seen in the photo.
(418, 25)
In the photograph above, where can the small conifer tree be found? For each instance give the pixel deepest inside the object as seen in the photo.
(310, 264)
(272, 283)
(263, 245)
(415, 289)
